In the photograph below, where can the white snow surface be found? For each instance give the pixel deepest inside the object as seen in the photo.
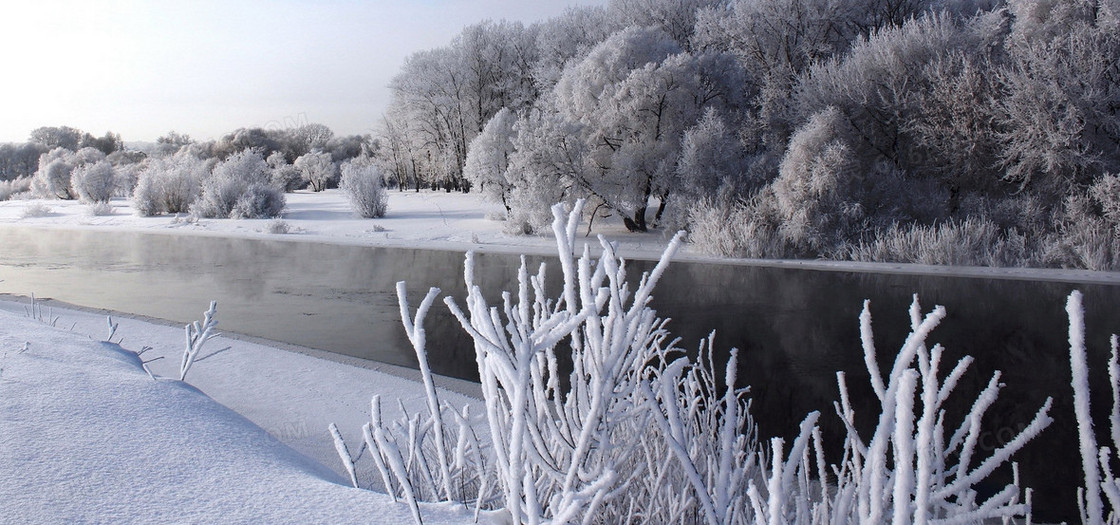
(86, 435)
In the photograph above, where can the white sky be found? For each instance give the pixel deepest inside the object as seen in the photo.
(208, 67)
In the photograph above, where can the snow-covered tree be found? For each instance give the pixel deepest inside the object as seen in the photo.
(635, 95)
(1060, 114)
(488, 158)
(317, 169)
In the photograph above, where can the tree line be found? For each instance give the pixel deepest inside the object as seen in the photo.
(958, 132)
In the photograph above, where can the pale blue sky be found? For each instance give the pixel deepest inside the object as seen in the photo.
(207, 67)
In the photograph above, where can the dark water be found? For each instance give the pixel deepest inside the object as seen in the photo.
(795, 328)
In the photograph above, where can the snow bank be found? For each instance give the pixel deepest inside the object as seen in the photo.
(454, 221)
(87, 436)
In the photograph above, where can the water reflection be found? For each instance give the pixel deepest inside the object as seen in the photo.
(795, 328)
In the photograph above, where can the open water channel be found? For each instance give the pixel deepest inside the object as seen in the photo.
(794, 328)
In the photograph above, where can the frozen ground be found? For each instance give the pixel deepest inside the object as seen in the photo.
(87, 436)
(449, 221)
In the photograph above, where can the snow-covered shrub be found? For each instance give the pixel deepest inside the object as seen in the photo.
(169, 184)
(8, 188)
(34, 210)
(52, 180)
(364, 188)
(94, 182)
(317, 168)
(125, 178)
(740, 229)
(563, 453)
(99, 209)
(912, 469)
(277, 227)
(971, 242)
(816, 190)
(259, 201)
(1088, 229)
(240, 187)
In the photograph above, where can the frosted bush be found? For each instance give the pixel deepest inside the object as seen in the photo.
(94, 182)
(9, 188)
(277, 227)
(365, 189)
(1090, 243)
(739, 229)
(259, 201)
(34, 210)
(971, 242)
(99, 209)
(169, 184)
(240, 187)
(52, 180)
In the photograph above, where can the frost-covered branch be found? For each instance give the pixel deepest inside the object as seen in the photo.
(197, 334)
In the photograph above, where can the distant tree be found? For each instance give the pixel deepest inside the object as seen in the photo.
(19, 160)
(107, 144)
(568, 38)
(348, 147)
(317, 169)
(549, 153)
(172, 142)
(677, 18)
(312, 136)
(57, 137)
(817, 189)
(1060, 114)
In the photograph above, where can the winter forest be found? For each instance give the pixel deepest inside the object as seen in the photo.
(971, 132)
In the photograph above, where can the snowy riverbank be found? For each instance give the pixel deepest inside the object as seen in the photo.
(95, 439)
(452, 221)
